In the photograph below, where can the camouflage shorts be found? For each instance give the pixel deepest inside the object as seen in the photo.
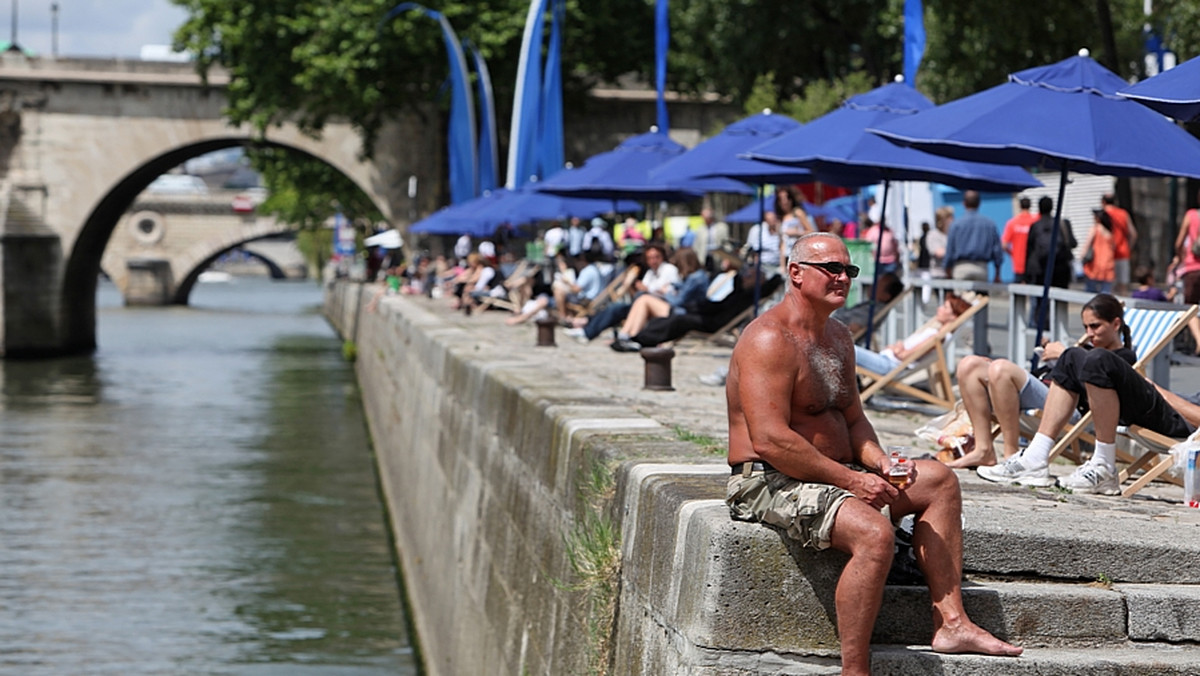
(806, 511)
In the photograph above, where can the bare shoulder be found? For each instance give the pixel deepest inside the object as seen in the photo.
(768, 335)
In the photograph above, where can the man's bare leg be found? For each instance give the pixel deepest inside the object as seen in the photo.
(936, 500)
(972, 375)
(867, 536)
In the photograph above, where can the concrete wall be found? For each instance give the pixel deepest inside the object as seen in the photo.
(482, 460)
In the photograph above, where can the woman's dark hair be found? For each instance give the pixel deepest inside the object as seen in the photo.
(1108, 308)
(1103, 218)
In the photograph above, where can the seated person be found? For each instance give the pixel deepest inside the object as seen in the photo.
(1000, 388)
(806, 460)
(1105, 381)
(691, 289)
(475, 280)
(920, 340)
(855, 318)
(713, 312)
(581, 289)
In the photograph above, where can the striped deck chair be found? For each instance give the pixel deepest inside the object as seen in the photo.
(1152, 332)
(932, 360)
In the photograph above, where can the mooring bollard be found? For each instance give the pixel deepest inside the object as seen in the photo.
(545, 332)
(658, 368)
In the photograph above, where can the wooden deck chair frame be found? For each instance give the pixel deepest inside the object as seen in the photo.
(607, 295)
(507, 301)
(880, 313)
(1153, 463)
(1162, 337)
(941, 391)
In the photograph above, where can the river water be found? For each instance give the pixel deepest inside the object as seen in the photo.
(197, 497)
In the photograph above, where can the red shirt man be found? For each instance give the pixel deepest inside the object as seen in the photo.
(1016, 236)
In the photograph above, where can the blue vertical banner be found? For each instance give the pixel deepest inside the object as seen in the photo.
(461, 145)
(489, 163)
(662, 41)
(343, 237)
(550, 137)
(914, 40)
(526, 117)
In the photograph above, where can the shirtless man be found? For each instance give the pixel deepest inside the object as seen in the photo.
(794, 355)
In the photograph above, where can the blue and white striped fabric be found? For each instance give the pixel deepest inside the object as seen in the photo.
(1150, 328)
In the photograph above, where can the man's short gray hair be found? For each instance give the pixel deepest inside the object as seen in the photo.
(803, 242)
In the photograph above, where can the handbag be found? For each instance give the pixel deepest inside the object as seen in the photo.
(1090, 254)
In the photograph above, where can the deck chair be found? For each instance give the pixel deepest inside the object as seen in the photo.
(1153, 462)
(1152, 331)
(881, 313)
(617, 280)
(503, 296)
(932, 360)
(730, 328)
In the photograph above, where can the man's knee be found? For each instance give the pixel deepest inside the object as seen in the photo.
(862, 531)
(1002, 371)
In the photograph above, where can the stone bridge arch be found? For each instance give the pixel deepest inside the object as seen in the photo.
(202, 255)
(82, 138)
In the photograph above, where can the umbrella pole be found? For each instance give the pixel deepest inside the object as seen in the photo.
(1043, 303)
(875, 272)
(762, 217)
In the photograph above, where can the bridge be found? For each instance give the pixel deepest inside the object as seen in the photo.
(163, 242)
(80, 140)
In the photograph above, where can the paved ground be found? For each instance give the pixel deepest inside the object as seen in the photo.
(700, 409)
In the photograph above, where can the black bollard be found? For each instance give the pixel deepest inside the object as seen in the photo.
(545, 332)
(658, 368)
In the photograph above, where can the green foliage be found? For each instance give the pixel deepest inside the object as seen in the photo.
(306, 192)
(706, 443)
(349, 350)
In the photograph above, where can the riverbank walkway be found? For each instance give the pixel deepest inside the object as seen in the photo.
(1063, 574)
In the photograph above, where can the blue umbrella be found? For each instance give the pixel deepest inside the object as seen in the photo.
(1066, 116)
(838, 149)
(719, 155)
(752, 212)
(624, 173)
(525, 205)
(1174, 92)
(466, 217)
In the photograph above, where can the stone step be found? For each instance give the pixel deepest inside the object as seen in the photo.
(1153, 659)
(748, 590)
(1046, 534)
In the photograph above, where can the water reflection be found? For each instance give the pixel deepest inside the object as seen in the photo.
(198, 497)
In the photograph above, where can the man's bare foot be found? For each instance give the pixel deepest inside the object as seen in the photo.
(513, 321)
(969, 637)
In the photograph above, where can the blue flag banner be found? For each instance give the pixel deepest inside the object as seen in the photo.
(914, 40)
(550, 137)
(662, 39)
(489, 163)
(461, 146)
(526, 117)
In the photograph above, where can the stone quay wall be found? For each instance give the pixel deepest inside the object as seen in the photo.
(497, 471)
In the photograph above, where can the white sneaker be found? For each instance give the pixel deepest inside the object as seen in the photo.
(574, 333)
(1092, 478)
(1014, 471)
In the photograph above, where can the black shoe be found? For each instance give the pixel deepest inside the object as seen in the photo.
(626, 346)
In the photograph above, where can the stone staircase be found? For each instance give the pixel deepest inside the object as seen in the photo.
(1088, 585)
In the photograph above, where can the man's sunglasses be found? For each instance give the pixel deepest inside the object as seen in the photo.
(835, 268)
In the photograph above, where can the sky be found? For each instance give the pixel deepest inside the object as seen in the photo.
(91, 28)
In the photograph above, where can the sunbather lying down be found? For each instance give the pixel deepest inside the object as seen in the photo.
(921, 340)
